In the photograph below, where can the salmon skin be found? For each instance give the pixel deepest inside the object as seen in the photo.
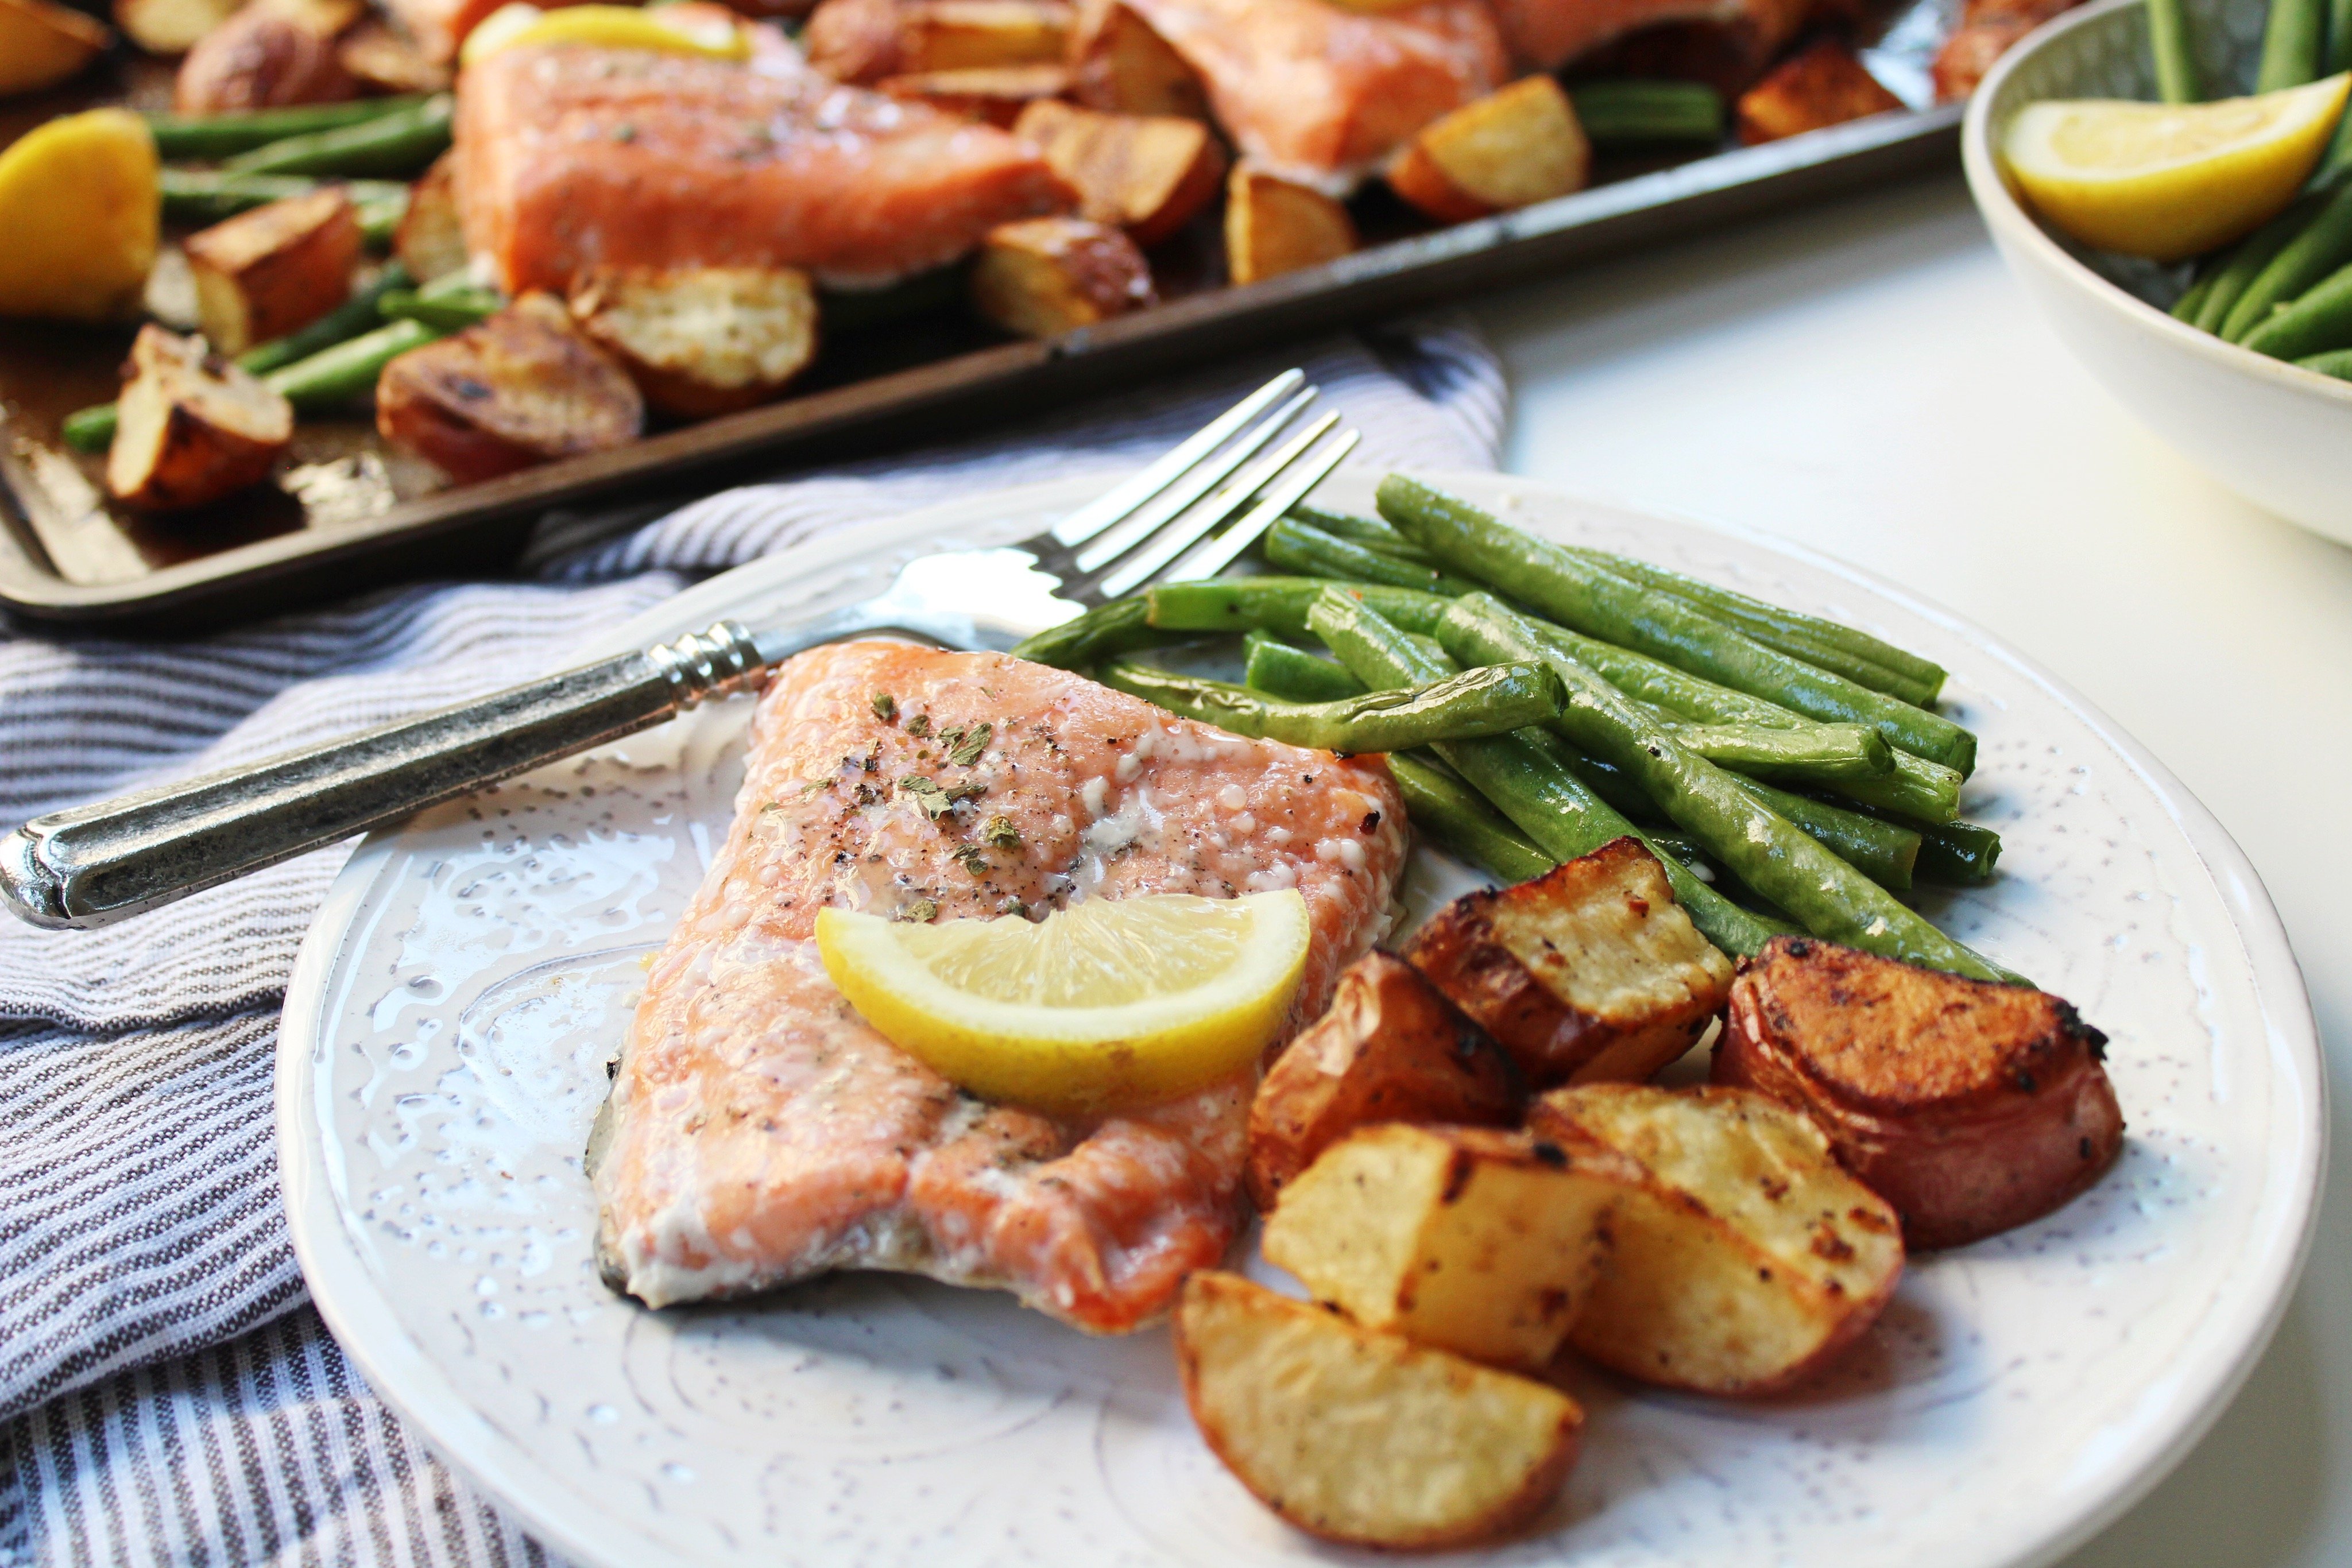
(1320, 95)
(569, 155)
(759, 1132)
(1549, 34)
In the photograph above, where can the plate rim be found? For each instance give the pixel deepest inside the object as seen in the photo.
(399, 1372)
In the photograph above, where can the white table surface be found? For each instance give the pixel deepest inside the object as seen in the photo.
(1866, 378)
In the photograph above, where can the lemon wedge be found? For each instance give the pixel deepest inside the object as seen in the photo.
(696, 31)
(2166, 180)
(1106, 1004)
(79, 216)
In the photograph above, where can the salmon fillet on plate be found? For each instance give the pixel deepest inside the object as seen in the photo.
(760, 1131)
(571, 155)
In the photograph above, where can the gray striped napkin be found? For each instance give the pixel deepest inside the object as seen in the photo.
(166, 1394)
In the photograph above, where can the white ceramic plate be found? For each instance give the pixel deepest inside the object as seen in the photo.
(444, 1047)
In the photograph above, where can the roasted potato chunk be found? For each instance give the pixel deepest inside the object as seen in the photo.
(1146, 173)
(1970, 1107)
(1822, 85)
(1361, 1437)
(865, 41)
(382, 59)
(430, 240)
(1273, 226)
(171, 27)
(995, 95)
(273, 52)
(43, 43)
(1589, 972)
(1515, 147)
(262, 274)
(701, 341)
(1744, 1259)
(1120, 65)
(1472, 1239)
(1987, 29)
(1043, 277)
(523, 388)
(192, 426)
(1389, 1048)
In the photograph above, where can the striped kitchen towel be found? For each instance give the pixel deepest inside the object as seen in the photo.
(165, 1392)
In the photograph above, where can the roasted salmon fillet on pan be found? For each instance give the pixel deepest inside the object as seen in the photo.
(1549, 34)
(759, 1132)
(569, 155)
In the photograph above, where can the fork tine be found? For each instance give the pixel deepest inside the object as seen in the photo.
(1125, 496)
(1154, 514)
(1180, 535)
(1286, 493)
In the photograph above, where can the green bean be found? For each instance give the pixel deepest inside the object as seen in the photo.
(1279, 604)
(1763, 849)
(1885, 852)
(1629, 111)
(2175, 56)
(2192, 299)
(2245, 262)
(379, 216)
(1961, 853)
(2291, 44)
(1279, 670)
(211, 136)
(200, 196)
(1493, 699)
(2324, 246)
(1819, 752)
(1841, 650)
(451, 312)
(2337, 363)
(1601, 604)
(347, 371)
(2339, 43)
(1310, 552)
(1461, 823)
(402, 143)
(90, 429)
(2321, 319)
(1556, 809)
(1122, 626)
(1918, 788)
(1369, 531)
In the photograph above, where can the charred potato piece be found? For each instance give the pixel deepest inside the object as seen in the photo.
(430, 240)
(523, 388)
(382, 59)
(192, 426)
(1970, 1107)
(171, 27)
(1822, 85)
(271, 53)
(1471, 1239)
(1515, 147)
(1146, 173)
(701, 340)
(1120, 65)
(1360, 1436)
(1744, 1259)
(262, 274)
(1273, 226)
(864, 41)
(995, 95)
(1389, 1048)
(1043, 277)
(1987, 29)
(43, 43)
(1589, 972)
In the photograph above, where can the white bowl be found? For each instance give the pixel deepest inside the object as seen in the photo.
(2278, 435)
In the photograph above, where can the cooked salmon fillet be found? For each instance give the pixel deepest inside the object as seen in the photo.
(1320, 95)
(571, 156)
(1549, 34)
(759, 1132)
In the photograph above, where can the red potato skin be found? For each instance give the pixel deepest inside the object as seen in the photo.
(1971, 1108)
(1391, 1047)
(261, 59)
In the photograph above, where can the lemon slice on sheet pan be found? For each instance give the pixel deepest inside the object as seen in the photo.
(674, 30)
(1109, 1003)
(2169, 180)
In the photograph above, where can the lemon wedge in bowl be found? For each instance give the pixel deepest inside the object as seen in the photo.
(1110, 1003)
(2169, 180)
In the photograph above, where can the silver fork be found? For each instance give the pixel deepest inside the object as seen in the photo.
(95, 864)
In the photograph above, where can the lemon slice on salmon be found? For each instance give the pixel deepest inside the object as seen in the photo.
(1106, 1004)
(676, 30)
(2169, 180)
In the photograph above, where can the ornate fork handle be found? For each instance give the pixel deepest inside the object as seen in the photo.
(95, 864)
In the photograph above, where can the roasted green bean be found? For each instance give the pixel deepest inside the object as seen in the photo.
(1273, 666)
(1310, 552)
(1279, 604)
(1461, 823)
(210, 136)
(402, 143)
(1494, 699)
